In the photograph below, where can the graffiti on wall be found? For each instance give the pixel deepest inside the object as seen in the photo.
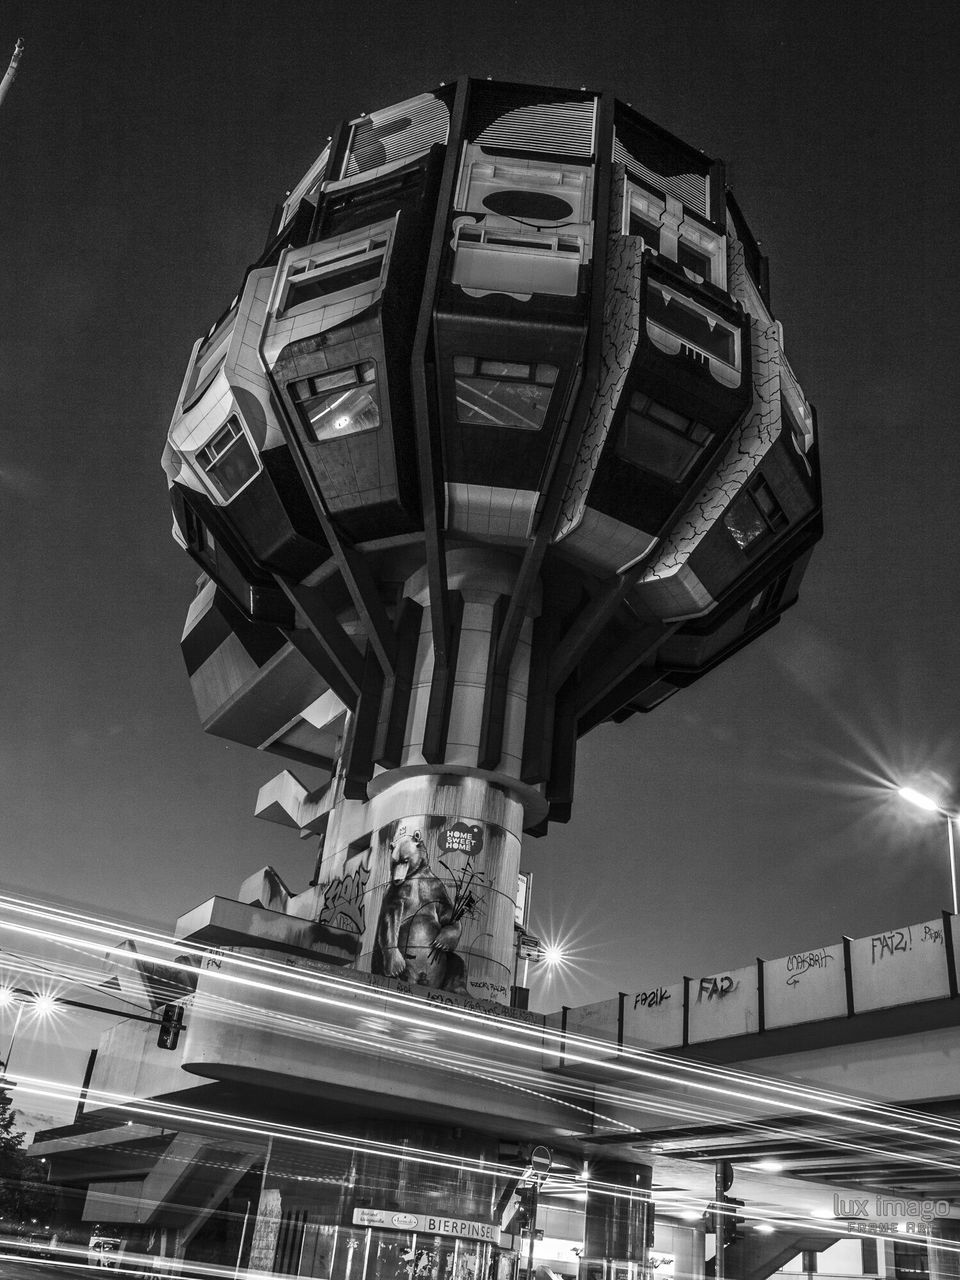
(801, 962)
(342, 909)
(422, 915)
(716, 988)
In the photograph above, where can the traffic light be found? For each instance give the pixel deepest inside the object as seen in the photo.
(171, 1024)
(527, 1207)
(732, 1222)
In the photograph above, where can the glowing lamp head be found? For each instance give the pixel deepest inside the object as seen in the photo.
(44, 1005)
(553, 954)
(917, 798)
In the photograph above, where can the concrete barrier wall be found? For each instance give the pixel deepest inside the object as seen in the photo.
(804, 987)
(723, 1004)
(910, 965)
(654, 1016)
(900, 966)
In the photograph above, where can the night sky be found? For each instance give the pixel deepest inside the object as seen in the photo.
(142, 150)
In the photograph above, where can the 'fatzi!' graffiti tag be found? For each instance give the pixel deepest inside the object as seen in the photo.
(888, 944)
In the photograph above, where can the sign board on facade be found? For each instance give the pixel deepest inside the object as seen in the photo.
(432, 1224)
(524, 881)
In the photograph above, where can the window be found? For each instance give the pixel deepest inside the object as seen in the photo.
(337, 273)
(343, 403)
(754, 515)
(640, 225)
(228, 460)
(502, 393)
(668, 229)
(693, 260)
(660, 440)
(909, 1260)
(696, 327)
(194, 531)
(209, 358)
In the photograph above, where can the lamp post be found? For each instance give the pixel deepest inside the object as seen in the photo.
(922, 801)
(5, 999)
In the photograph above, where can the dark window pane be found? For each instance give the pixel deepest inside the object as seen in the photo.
(744, 521)
(754, 514)
(766, 501)
(330, 282)
(504, 369)
(659, 439)
(641, 226)
(228, 462)
(491, 402)
(339, 404)
(648, 445)
(693, 260)
(504, 393)
(639, 403)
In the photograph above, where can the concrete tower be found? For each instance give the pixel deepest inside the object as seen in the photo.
(498, 441)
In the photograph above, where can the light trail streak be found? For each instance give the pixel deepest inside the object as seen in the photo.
(217, 1124)
(177, 1116)
(721, 1085)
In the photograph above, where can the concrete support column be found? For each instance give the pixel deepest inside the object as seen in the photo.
(266, 1229)
(617, 1218)
(482, 581)
(689, 1252)
(943, 1253)
(464, 833)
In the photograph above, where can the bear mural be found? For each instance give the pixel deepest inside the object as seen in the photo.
(436, 916)
(419, 926)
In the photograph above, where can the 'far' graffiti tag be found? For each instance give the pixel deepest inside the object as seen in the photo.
(716, 988)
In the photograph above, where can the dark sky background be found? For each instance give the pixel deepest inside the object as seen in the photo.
(142, 149)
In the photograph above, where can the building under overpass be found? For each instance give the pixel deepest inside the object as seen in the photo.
(311, 1120)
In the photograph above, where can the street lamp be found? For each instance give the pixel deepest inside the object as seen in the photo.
(530, 948)
(41, 1005)
(922, 801)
